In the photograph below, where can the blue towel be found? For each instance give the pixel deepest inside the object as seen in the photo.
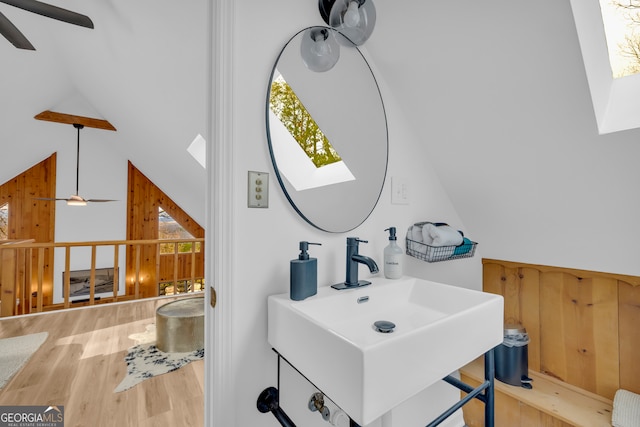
(464, 247)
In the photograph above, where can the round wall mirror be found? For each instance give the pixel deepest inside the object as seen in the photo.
(327, 130)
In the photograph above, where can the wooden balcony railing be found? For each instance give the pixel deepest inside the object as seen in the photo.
(27, 270)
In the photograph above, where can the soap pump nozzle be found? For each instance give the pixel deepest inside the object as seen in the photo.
(304, 247)
(392, 233)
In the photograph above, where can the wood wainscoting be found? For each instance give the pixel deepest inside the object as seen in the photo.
(584, 326)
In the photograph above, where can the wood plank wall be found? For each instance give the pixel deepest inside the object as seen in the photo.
(584, 326)
(143, 200)
(33, 219)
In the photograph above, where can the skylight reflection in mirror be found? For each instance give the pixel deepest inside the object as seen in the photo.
(306, 158)
(621, 19)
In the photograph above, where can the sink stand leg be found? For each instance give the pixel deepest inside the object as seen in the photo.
(490, 394)
(484, 393)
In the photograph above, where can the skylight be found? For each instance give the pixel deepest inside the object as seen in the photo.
(616, 102)
(198, 150)
(621, 19)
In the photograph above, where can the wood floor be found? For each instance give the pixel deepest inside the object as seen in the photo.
(82, 362)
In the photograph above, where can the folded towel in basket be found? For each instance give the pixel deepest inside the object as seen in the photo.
(415, 233)
(443, 235)
(626, 409)
(464, 248)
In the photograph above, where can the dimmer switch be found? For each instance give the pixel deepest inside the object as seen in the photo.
(258, 190)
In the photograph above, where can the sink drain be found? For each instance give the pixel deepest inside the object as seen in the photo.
(384, 326)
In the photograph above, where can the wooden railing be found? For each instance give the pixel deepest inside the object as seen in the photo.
(26, 269)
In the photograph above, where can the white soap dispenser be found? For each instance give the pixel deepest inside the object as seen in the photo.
(393, 256)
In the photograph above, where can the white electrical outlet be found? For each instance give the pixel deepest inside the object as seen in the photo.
(258, 190)
(399, 191)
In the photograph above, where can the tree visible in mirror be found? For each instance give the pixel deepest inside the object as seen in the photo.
(4, 221)
(286, 105)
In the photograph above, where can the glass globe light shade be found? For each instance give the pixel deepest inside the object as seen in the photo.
(353, 20)
(319, 49)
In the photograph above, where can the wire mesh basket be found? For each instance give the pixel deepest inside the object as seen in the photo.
(429, 253)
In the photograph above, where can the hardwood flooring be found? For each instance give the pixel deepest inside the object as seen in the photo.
(82, 362)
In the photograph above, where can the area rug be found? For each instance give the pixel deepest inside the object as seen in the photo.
(146, 337)
(145, 361)
(14, 353)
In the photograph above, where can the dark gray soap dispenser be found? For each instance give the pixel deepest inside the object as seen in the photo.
(303, 277)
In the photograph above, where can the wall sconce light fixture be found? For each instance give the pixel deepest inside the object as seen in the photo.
(319, 49)
(354, 19)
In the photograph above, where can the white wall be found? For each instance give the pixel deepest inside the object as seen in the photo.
(507, 118)
(266, 239)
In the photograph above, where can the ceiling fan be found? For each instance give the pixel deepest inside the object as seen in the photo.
(11, 32)
(75, 199)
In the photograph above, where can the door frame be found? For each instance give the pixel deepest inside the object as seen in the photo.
(220, 387)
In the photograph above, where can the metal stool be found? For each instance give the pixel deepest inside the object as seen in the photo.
(180, 326)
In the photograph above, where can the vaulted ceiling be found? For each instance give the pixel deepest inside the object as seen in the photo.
(142, 68)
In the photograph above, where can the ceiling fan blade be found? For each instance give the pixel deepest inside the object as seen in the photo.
(13, 34)
(76, 199)
(50, 11)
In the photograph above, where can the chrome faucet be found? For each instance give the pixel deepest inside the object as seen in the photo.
(353, 258)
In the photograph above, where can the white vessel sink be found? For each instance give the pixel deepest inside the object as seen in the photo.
(331, 339)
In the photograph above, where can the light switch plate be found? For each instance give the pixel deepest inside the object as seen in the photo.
(399, 191)
(258, 190)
